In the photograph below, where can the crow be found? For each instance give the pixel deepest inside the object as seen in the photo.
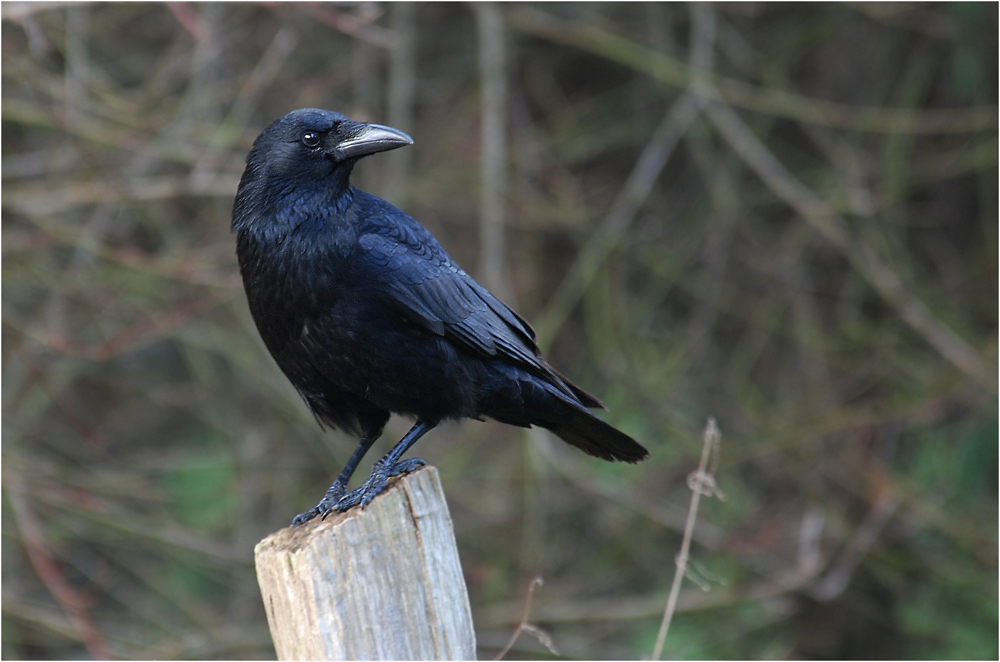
(367, 315)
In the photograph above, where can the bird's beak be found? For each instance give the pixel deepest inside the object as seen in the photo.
(371, 139)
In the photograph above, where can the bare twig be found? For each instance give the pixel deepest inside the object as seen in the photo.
(401, 95)
(45, 199)
(90, 432)
(701, 482)
(640, 182)
(206, 265)
(360, 27)
(110, 515)
(77, 61)
(863, 257)
(940, 25)
(71, 602)
(606, 237)
(525, 626)
(18, 11)
(493, 171)
(99, 131)
(187, 17)
(836, 580)
(206, 170)
(779, 103)
(139, 333)
(708, 535)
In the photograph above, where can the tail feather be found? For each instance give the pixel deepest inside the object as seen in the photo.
(592, 435)
(595, 437)
(585, 398)
(562, 409)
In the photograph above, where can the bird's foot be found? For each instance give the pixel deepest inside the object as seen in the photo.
(325, 506)
(381, 473)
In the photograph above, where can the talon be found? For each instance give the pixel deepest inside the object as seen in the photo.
(364, 494)
(350, 500)
(324, 507)
(406, 466)
(376, 483)
(302, 518)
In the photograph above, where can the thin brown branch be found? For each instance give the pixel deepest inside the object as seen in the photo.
(862, 256)
(836, 580)
(350, 24)
(637, 187)
(18, 11)
(108, 513)
(702, 482)
(44, 199)
(779, 103)
(144, 331)
(401, 99)
(121, 135)
(207, 170)
(90, 432)
(708, 535)
(188, 18)
(72, 603)
(619, 219)
(202, 266)
(493, 161)
(525, 626)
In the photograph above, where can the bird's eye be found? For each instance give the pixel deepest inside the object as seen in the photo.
(310, 139)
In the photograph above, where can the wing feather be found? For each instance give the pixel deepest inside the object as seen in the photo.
(437, 294)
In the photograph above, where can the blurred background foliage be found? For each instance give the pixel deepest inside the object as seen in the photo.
(780, 215)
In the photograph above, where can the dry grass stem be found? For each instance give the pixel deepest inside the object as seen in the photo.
(525, 626)
(702, 482)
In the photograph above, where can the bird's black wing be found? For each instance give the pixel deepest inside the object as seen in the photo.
(434, 292)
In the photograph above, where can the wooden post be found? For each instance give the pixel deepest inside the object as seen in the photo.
(384, 583)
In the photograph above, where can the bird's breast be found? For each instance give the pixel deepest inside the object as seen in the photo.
(288, 283)
(326, 319)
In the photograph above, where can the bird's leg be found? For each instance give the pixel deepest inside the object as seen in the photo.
(389, 465)
(339, 487)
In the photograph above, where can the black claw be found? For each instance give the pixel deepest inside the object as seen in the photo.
(406, 466)
(350, 499)
(302, 518)
(324, 507)
(376, 483)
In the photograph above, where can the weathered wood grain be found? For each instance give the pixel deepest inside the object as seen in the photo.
(382, 583)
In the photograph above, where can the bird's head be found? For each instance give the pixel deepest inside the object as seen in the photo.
(313, 149)
(316, 142)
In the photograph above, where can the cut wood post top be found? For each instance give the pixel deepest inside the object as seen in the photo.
(380, 583)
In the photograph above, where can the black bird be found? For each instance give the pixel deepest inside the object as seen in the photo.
(366, 314)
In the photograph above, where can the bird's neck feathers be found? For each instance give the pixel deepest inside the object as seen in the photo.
(298, 206)
(278, 209)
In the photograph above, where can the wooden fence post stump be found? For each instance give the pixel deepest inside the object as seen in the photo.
(384, 583)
